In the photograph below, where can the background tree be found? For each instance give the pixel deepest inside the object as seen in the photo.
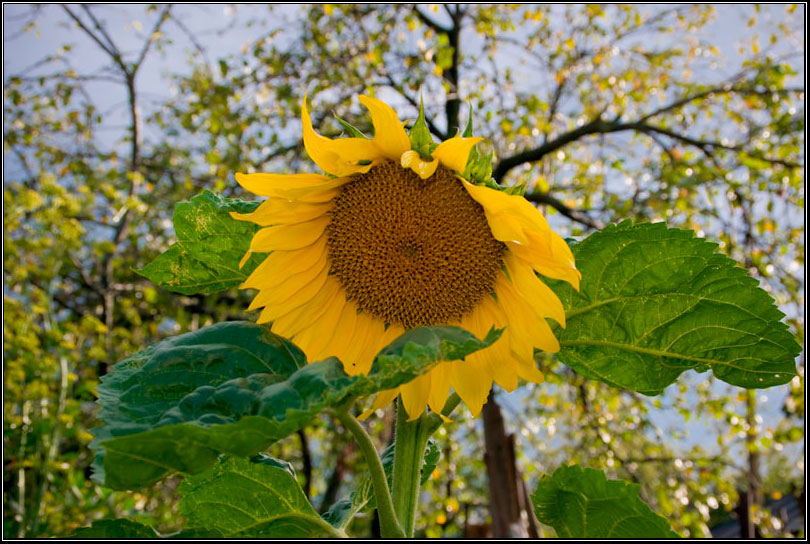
(602, 112)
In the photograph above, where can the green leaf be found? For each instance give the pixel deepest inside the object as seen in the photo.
(353, 131)
(582, 503)
(468, 130)
(655, 302)
(150, 389)
(239, 499)
(109, 529)
(421, 140)
(432, 456)
(236, 388)
(210, 244)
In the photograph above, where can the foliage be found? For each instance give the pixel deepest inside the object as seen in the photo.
(648, 309)
(582, 503)
(237, 498)
(236, 388)
(208, 245)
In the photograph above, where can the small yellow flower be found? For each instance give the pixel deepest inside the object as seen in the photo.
(387, 242)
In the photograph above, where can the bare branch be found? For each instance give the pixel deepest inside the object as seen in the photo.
(599, 126)
(570, 213)
(430, 22)
(726, 89)
(164, 15)
(107, 48)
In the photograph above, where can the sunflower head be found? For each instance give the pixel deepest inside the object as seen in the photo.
(400, 232)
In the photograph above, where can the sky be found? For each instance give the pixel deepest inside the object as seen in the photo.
(225, 29)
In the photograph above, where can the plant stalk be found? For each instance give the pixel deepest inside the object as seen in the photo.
(389, 526)
(410, 441)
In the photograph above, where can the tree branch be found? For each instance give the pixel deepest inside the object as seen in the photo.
(161, 19)
(107, 48)
(430, 22)
(570, 213)
(599, 126)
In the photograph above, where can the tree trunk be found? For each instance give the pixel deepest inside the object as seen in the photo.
(512, 512)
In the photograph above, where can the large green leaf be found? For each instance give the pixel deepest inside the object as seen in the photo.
(210, 244)
(583, 503)
(655, 302)
(236, 388)
(114, 529)
(238, 498)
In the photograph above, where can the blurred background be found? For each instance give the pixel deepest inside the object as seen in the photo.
(693, 115)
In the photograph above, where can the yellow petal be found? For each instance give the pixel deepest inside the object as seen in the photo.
(383, 399)
(526, 329)
(553, 261)
(308, 313)
(412, 160)
(285, 237)
(497, 357)
(280, 266)
(510, 217)
(471, 382)
(339, 157)
(389, 136)
(281, 184)
(415, 395)
(279, 303)
(372, 346)
(339, 344)
(284, 287)
(527, 368)
(537, 294)
(455, 152)
(314, 337)
(440, 378)
(360, 336)
(320, 345)
(278, 211)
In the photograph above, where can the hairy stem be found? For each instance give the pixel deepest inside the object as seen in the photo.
(409, 451)
(389, 526)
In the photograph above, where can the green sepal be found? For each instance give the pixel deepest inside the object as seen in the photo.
(421, 140)
(351, 129)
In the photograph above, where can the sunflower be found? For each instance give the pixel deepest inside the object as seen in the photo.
(393, 238)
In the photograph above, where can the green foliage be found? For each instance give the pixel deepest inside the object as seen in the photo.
(582, 503)
(113, 529)
(236, 388)
(432, 456)
(655, 302)
(210, 244)
(239, 499)
(163, 385)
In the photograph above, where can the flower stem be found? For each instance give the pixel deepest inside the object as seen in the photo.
(409, 450)
(389, 526)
